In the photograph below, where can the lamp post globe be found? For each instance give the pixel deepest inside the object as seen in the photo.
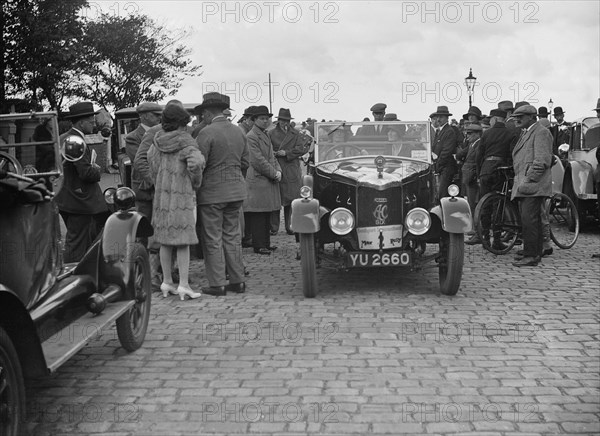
(470, 82)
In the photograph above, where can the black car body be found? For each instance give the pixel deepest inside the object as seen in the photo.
(370, 201)
(50, 309)
(579, 164)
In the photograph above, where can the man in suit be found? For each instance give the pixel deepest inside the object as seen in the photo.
(150, 114)
(221, 196)
(560, 130)
(289, 146)
(494, 151)
(543, 117)
(378, 111)
(149, 117)
(80, 201)
(443, 148)
(532, 160)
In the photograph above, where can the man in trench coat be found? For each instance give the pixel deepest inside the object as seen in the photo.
(289, 145)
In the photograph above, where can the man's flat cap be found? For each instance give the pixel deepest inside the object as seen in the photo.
(378, 107)
(148, 107)
(524, 110)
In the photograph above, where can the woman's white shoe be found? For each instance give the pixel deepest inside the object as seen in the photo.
(183, 292)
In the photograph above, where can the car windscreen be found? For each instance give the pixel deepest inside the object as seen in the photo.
(338, 140)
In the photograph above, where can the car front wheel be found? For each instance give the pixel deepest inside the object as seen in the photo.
(12, 388)
(309, 265)
(132, 325)
(452, 251)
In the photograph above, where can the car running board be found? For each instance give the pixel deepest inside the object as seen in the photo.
(64, 344)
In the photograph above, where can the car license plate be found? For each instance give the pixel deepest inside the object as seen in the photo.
(364, 259)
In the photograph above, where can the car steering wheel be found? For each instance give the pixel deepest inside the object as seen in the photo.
(347, 150)
(9, 164)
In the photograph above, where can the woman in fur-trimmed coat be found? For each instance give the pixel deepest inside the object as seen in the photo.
(176, 165)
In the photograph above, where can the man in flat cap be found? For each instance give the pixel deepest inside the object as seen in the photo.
(150, 116)
(221, 196)
(494, 151)
(378, 111)
(445, 143)
(80, 201)
(532, 160)
(560, 130)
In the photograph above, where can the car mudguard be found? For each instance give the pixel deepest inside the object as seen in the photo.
(454, 214)
(582, 177)
(120, 232)
(305, 215)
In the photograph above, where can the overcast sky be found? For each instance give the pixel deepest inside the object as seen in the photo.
(333, 60)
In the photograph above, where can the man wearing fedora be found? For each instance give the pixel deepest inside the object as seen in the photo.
(473, 115)
(444, 146)
(247, 123)
(221, 196)
(289, 146)
(80, 201)
(560, 130)
(532, 160)
(262, 180)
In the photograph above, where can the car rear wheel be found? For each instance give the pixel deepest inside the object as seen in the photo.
(309, 265)
(132, 325)
(452, 252)
(12, 388)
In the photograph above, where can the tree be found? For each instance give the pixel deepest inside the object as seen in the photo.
(40, 38)
(131, 59)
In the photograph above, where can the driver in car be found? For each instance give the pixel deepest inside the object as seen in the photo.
(80, 201)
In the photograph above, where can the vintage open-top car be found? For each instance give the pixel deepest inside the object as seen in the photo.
(50, 309)
(580, 164)
(370, 200)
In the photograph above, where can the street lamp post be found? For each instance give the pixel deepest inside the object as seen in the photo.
(470, 81)
(550, 104)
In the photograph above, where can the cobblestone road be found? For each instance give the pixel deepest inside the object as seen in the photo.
(377, 352)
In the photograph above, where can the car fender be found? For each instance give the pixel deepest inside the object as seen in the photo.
(120, 232)
(581, 174)
(16, 322)
(306, 214)
(454, 214)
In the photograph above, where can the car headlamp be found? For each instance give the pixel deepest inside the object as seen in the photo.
(109, 195)
(453, 190)
(341, 221)
(124, 198)
(305, 192)
(418, 221)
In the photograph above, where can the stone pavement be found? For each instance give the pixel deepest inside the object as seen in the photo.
(516, 351)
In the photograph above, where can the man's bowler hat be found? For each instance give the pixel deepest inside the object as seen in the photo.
(543, 111)
(558, 111)
(597, 106)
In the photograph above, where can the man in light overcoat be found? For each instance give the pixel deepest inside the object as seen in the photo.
(532, 160)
